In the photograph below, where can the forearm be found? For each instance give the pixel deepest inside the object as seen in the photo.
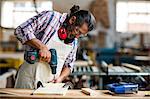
(65, 72)
(36, 43)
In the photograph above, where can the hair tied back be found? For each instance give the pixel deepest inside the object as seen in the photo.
(74, 9)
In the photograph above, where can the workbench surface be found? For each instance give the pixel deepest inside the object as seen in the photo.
(75, 94)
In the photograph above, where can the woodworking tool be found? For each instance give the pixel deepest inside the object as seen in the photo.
(33, 56)
(53, 63)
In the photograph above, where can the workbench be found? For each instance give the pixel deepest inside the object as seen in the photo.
(74, 94)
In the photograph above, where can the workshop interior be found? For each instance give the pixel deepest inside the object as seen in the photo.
(114, 57)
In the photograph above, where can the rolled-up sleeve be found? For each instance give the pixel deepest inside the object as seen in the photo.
(26, 31)
(24, 35)
(71, 59)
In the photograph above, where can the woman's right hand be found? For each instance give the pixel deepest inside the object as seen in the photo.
(44, 55)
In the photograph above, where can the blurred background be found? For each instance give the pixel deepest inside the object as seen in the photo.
(118, 50)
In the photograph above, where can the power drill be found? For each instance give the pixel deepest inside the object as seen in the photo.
(33, 56)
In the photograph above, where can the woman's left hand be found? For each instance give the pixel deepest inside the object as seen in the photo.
(58, 80)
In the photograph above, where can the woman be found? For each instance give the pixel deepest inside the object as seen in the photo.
(47, 30)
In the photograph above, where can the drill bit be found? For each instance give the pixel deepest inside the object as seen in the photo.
(54, 78)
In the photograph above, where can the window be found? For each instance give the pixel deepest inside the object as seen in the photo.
(16, 12)
(133, 16)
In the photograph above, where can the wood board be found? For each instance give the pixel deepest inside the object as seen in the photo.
(51, 89)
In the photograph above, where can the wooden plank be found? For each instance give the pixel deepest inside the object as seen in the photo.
(16, 91)
(51, 89)
(132, 66)
(8, 92)
(142, 58)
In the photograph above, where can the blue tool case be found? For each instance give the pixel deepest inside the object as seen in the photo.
(122, 88)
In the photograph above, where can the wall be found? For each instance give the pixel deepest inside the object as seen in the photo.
(111, 34)
(115, 37)
(65, 5)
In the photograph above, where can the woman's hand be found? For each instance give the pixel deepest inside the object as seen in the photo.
(44, 54)
(58, 80)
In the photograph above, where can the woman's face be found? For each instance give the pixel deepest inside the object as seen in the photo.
(76, 31)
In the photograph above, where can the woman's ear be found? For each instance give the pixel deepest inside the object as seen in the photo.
(72, 19)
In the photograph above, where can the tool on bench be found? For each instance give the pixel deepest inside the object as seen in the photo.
(33, 56)
(123, 88)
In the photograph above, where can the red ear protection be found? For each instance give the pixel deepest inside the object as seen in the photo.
(62, 33)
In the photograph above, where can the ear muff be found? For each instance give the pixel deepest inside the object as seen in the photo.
(62, 33)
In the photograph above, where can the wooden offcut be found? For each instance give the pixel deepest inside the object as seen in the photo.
(132, 66)
(89, 91)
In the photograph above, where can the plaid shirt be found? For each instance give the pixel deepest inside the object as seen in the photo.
(42, 26)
